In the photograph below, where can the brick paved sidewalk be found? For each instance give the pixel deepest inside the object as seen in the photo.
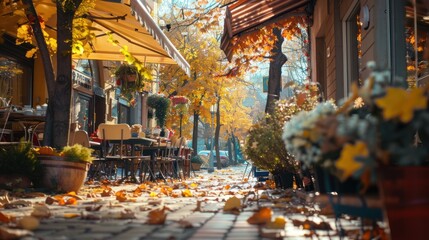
(128, 220)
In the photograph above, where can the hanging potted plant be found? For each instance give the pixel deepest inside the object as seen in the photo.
(160, 104)
(131, 79)
(66, 170)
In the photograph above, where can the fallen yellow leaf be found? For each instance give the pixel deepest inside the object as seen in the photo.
(71, 215)
(278, 223)
(261, 217)
(157, 216)
(232, 203)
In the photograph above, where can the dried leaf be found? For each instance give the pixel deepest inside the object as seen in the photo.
(7, 233)
(261, 217)
(4, 218)
(93, 208)
(71, 215)
(49, 200)
(127, 214)
(185, 224)
(187, 193)
(41, 211)
(121, 196)
(232, 203)
(17, 204)
(278, 223)
(157, 216)
(29, 223)
(89, 216)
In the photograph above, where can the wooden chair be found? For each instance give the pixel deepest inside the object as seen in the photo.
(164, 162)
(177, 157)
(116, 152)
(79, 137)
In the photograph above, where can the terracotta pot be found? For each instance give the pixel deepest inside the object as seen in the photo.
(405, 195)
(62, 176)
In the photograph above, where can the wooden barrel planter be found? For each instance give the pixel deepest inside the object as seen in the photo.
(62, 176)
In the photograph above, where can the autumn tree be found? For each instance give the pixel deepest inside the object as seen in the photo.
(200, 45)
(266, 43)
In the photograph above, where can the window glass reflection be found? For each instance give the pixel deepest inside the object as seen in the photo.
(417, 43)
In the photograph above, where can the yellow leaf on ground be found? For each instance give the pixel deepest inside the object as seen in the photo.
(157, 216)
(71, 215)
(278, 223)
(187, 193)
(261, 217)
(232, 203)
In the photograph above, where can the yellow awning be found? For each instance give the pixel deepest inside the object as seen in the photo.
(145, 40)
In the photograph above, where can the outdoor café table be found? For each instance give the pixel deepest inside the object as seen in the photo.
(134, 143)
(27, 122)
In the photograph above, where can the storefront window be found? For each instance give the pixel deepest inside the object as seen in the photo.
(417, 41)
(15, 82)
(123, 113)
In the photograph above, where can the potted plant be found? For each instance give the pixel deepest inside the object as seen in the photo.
(19, 166)
(131, 79)
(65, 170)
(160, 104)
(264, 145)
(196, 162)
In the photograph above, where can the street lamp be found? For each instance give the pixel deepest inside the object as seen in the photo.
(210, 169)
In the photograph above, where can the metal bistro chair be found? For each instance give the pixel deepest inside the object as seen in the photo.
(119, 155)
(4, 117)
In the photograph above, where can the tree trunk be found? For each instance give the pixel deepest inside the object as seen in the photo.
(30, 12)
(275, 72)
(61, 99)
(59, 91)
(217, 133)
(195, 134)
(234, 146)
(230, 151)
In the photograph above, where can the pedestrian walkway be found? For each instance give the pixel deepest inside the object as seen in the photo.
(193, 208)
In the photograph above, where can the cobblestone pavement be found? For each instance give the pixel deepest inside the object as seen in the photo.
(196, 215)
